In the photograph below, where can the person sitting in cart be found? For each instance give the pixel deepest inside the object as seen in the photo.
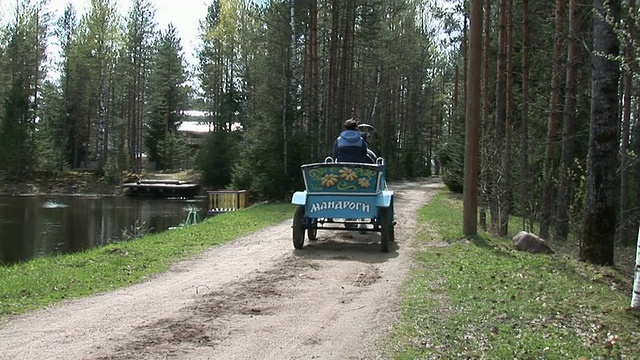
(350, 146)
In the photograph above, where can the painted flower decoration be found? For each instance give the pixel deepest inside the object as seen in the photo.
(348, 174)
(329, 180)
(364, 183)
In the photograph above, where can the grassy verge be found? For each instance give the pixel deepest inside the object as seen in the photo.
(480, 299)
(34, 284)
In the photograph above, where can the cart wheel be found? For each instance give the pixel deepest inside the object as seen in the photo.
(393, 224)
(298, 228)
(386, 228)
(312, 232)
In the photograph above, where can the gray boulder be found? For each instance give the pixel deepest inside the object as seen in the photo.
(526, 241)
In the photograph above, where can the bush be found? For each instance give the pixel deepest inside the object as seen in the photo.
(218, 156)
(451, 157)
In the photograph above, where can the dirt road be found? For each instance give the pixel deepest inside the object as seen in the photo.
(254, 298)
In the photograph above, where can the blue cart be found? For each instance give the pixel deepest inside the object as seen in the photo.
(344, 196)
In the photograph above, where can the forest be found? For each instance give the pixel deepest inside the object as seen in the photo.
(552, 85)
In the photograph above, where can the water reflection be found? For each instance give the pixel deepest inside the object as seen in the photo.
(33, 226)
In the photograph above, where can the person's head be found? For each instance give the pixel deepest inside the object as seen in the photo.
(351, 124)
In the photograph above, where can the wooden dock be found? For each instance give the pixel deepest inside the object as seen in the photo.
(162, 188)
(221, 201)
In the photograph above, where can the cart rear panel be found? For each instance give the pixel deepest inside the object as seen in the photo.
(342, 178)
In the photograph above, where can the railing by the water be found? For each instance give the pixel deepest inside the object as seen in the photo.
(221, 201)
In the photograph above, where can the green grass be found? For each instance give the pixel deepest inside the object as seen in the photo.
(481, 299)
(44, 281)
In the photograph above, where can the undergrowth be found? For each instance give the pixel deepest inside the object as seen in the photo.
(481, 299)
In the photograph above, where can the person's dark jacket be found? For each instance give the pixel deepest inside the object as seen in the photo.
(350, 147)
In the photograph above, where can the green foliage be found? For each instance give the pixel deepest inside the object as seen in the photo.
(113, 168)
(221, 62)
(22, 66)
(100, 34)
(222, 97)
(167, 98)
(175, 151)
(412, 164)
(451, 158)
(66, 116)
(16, 158)
(271, 176)
(274, 144)
(217, 157)
(51, 137)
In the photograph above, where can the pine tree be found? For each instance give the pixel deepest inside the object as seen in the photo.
(273, 122)
(167, 98)
(24, 63)
(138, 46)
(68, 140)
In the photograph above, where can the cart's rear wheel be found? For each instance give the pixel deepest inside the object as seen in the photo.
(393, 224)
(312, 232)
(386, 228)
(298, 228)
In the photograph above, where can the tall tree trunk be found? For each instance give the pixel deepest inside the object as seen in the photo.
(555, 113)
(101, 61)
(332, 82)
(525, 185)
(485, 174)
(36, 68)
(465, 57)
(456, 91)
(287, 73)
(348, 62)
(506, 178)
(565, 187)
(472, 133)
(497, 191)
(136, 123)
(314, 80)
(600, 205)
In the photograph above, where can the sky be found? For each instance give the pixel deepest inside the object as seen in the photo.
(185, 15)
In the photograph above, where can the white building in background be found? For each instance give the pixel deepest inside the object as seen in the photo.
(195, 122)
(194, 126)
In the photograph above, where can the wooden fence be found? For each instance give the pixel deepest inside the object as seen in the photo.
(221, 201)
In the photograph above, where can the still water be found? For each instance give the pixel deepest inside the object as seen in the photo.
(34, 226)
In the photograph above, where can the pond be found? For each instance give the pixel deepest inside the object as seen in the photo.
(34, 226)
